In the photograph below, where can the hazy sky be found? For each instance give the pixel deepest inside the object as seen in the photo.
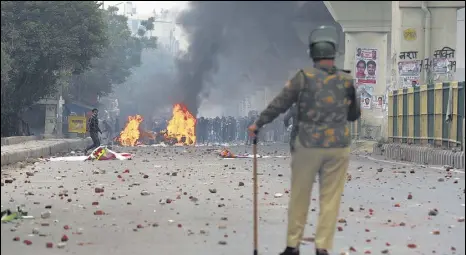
(146, 7)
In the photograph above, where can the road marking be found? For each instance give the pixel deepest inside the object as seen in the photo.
(412, 164)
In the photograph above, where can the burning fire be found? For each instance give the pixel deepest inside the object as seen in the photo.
(182, 126)
(180, 130)
(130, 135)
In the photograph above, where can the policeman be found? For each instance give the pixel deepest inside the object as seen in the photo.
(321, 142)
(200, 127)
(218, 129)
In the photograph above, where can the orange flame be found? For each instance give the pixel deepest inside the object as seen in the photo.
(225, 153)
(182, 125)
(130, 135)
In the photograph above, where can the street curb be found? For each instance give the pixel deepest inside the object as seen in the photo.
(43, 150)
(420, 155)
(18, 139)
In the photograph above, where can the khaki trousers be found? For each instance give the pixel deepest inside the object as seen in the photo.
(331, 164)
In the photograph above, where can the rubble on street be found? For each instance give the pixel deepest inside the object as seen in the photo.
(188, 200)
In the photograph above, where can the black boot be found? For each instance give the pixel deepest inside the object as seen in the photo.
(321, 252)
(290, 251)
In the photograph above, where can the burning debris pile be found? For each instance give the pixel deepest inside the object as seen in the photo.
(182, 125)
(131, 133)
(181, 130)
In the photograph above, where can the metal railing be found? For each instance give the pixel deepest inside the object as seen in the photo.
(427, 115)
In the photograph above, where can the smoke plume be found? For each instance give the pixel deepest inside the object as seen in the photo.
(236, 45)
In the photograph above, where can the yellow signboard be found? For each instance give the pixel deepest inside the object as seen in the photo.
(410, 34)
(77, 124)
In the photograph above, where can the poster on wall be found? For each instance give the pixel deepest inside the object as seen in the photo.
(366, 66)
(365, 93)
(77, 124)
(366, 102)
(409, 68)
(410, 73)
(378, 102)
(440, 65)
(409, 81)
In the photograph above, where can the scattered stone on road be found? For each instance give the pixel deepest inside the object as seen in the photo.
(186, 201)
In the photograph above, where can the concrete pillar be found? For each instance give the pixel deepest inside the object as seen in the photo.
(428, 39)
(371, 88)
(59, 128)
(460, 46)
(50, 119)
(395, 43)
(366, 26)
(393, 76)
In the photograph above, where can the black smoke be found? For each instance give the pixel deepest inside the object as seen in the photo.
(234, 43)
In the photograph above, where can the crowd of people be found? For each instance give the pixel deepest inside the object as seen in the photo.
(232, 130)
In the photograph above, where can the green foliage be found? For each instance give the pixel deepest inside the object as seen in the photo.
(6, 61)
(141, 41)
(111, 67)
(43, 39)
(74, 46)
(114, 66)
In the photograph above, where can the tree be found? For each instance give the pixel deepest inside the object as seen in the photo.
(111, 67)
(114, 66)
(6, 61)
(45, 39)
(140, 41)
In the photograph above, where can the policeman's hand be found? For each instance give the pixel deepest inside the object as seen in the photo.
(253, 130)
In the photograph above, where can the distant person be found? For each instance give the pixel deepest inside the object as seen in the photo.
(117, 126)
(371, 67)
(358, 52)
(94, 130)
(108, 132)
(361, 69)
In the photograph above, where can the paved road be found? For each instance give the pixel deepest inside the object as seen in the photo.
(203, 221)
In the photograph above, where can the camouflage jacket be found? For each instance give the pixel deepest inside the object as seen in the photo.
(321, 94)
(292, 114)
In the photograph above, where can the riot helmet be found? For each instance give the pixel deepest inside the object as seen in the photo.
(323, 43)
